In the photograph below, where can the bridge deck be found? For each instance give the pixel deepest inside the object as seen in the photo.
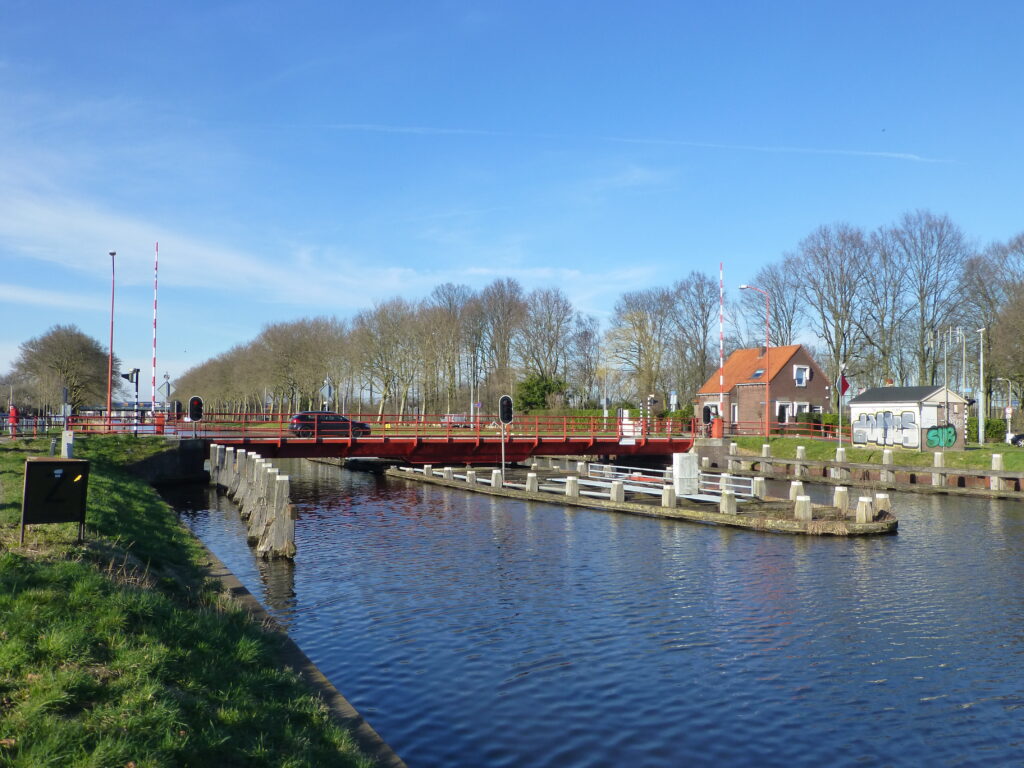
(424, 440)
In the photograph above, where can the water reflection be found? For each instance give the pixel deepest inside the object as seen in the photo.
(470, 629)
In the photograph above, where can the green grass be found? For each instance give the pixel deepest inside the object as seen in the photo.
(973, 458)
(118, 652)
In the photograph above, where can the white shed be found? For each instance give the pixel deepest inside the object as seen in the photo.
(912, 417)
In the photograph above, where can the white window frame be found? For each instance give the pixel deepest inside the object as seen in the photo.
(806, 375)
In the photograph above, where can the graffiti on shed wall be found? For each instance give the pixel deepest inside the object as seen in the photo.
(887, 428)
(941, 436)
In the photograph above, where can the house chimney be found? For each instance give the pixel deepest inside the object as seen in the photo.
(763, 351)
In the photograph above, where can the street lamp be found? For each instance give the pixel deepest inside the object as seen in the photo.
(981, 386)
(110, 354)
(767, 367)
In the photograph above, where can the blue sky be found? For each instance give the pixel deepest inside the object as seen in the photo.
(306, 158)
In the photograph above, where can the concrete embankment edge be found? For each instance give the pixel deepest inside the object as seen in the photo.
(342, 711)
(757, 523)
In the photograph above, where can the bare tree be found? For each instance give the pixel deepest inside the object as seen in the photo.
(695, 317)
(782, 284)
(502, 312)
(934, 251)
(828, 262)
(543, 344)
(639, 336)
(64, 357)
(883, 302)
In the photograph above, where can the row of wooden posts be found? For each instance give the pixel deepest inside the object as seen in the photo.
(262, 496)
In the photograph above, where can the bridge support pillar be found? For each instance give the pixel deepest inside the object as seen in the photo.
(887, 475)
(882, 503)
(996, 483)
(668, 496)
(572, 486)
(865, 512)
(841, 499)
(617, 492)
(802, 508)
(727, 504)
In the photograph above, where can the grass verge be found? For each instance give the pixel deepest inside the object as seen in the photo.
(118, 652)
(973, 458)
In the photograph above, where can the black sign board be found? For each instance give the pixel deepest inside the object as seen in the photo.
(55, 491)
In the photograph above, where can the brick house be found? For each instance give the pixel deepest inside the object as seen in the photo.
(798, 385)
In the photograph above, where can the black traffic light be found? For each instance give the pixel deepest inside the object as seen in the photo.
(132, 377)
(505, 409)
(195, 409)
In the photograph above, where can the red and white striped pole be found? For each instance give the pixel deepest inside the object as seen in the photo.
(721, 342)
(156, 268)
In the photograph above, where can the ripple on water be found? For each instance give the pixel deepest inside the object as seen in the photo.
(471, 630)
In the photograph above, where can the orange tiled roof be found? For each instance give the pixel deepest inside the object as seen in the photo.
(744, 362)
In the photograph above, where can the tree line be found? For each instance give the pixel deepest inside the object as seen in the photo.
(902, 304)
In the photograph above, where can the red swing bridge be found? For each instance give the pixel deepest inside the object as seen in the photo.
(422, 439)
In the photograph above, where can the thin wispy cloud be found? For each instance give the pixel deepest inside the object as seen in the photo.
(423, 130)
(35, 297)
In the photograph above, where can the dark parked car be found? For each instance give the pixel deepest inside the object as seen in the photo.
(326, 424)
(1018, 440)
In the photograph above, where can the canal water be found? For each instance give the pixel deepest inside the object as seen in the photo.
(475, 631)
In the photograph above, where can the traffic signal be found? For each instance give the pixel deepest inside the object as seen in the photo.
(132, 377)
(195, 409)
(505, 409)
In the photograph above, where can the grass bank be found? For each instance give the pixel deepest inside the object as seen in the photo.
(973, 458)
(118, 652)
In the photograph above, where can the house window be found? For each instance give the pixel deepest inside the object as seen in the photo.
(757, 374)
(801, 408)
(801, 375)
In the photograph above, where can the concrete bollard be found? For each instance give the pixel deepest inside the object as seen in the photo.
(724, 481)
(447, 474)
(938, 478)
(685, 475)
(802, 508)
(471, 477)
(67, 444)
(572, 486)
(996, 483)
(882, 503)
(278, 539)
(496, 479)
(581, 468)
(840, 473)
(617, 493)
(796, 488)
(887, 475)
(759, 487)
(428, 470)
(532, 484)
(800, 469)
(733, 463)
(841, 499)
(865, 511)
(668, 496)
(727, 504)
(734, 449)
(228, 468)
(705, 462)
(767, 468)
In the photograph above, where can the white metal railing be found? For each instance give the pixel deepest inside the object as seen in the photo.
(709, 482)
(631, 474)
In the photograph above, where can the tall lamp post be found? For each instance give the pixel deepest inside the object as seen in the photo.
(981, 386)
(110, 353)
(767, 367)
